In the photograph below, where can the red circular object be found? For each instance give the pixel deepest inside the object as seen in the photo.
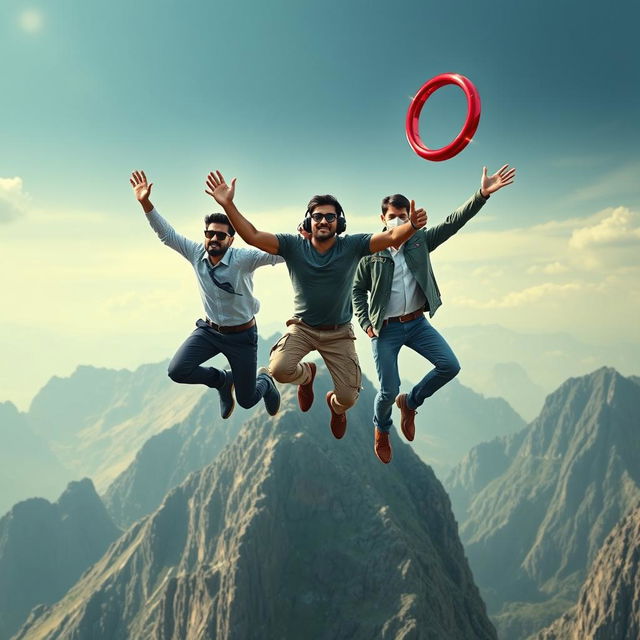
(470, 125)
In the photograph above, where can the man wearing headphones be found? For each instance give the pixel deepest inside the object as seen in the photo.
(321, 270)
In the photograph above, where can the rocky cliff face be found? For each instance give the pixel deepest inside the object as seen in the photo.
(289, 534)
(44, 548)
(548, 497)
(609, 603)
(167, 458)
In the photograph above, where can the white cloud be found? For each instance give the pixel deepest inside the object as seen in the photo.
(13, 200)
(523, 297)
(620, 227)
(551, 269)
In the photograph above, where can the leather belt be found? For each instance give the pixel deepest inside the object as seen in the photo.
(236, 329)
(405, 318)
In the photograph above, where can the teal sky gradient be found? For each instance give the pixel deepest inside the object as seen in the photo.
(297, 98)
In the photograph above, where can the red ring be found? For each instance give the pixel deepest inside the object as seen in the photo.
(470, 125)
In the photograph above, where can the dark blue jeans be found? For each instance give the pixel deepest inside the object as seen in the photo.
(420, 336)
(240, 349)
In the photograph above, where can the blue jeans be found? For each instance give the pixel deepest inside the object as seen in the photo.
(240, 349)
(420, 336)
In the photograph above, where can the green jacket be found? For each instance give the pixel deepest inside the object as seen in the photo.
(375, 272)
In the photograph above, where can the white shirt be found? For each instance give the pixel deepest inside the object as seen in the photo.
(406, 295)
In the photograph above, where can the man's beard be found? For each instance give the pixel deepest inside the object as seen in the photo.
(324, 238)
(216, 251)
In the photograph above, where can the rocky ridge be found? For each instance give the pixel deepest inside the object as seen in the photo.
(288, 531)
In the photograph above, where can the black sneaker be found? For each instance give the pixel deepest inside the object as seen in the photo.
(272, 397)
(227, 401)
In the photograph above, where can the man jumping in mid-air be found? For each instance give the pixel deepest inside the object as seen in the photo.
(225, 280)
(321, 270)
(401, 287)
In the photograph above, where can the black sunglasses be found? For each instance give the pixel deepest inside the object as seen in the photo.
(329, 217)
(219, 235)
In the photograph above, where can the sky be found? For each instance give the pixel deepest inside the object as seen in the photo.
(296, 98)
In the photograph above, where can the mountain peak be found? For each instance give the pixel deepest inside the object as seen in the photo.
(289, 530)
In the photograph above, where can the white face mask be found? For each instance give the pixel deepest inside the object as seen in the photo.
(395, 222)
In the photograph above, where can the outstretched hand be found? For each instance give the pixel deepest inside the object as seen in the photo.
(219, 189)
(141, 188)
(503, 177)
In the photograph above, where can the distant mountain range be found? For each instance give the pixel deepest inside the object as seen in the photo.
(521, 367)
(288, 533)
(535, 506)
(96, 420)
(45, 548)
(455, 419)
(28, 467)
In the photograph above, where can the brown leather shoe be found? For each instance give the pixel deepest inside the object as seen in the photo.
(338, 420)
(407, 417)
(382, 446)
(305, 391)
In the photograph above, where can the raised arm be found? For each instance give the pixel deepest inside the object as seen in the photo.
(440, 233)
(167, 234)
(400, 234)
(223, 194)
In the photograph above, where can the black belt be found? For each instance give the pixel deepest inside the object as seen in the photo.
(236, 329)
(408, 317)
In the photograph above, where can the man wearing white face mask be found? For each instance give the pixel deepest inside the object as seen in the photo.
(392, 290)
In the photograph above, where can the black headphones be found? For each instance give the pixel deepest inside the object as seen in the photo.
(341, 221)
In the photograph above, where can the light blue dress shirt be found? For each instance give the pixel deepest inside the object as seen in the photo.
(230, 302)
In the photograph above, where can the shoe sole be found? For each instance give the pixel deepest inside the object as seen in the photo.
(233, 403)
(379, 458)
(275, 413)
(264, 370)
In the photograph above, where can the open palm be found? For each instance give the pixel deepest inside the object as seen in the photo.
(503, 177)
(141, 188)
(218, 188)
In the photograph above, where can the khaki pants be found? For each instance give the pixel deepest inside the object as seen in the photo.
(337, 349)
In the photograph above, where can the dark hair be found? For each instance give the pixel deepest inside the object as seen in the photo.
(316, 201)
(398, 201)
(219, 218)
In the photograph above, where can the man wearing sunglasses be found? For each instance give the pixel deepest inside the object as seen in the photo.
(225, 280)
(321, 268)
(401, 287)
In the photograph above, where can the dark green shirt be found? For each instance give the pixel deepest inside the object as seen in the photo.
(322, 282)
